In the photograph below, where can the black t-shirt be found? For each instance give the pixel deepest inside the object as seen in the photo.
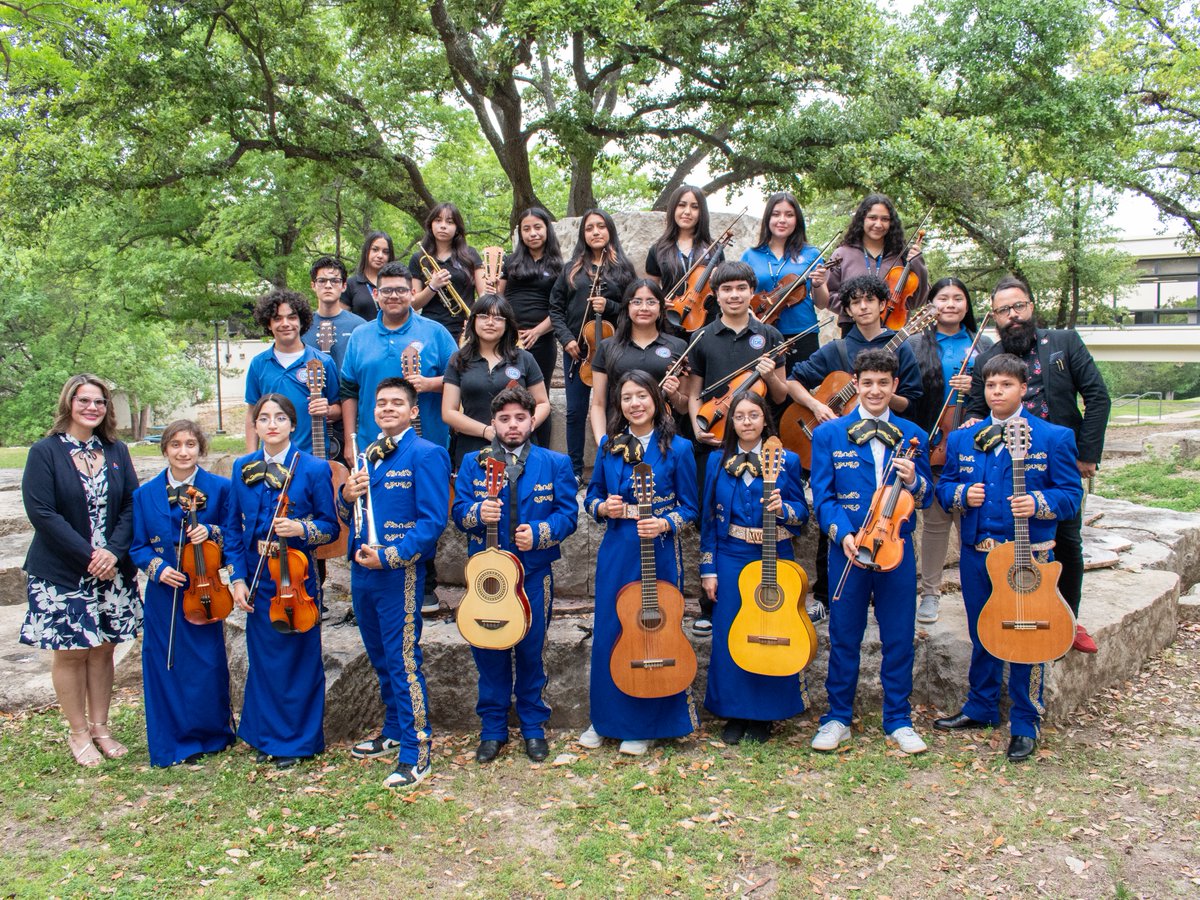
(462, 280)
(654, 359)
(529, 297)
(359, 295)
(479, 384)
(722, 351)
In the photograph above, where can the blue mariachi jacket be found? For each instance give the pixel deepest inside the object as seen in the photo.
(156, 531)
(411, 492)
(311, 493)
(674, 482)
(1051, 477)
(843, 476)
(729, 501)
(545, 501)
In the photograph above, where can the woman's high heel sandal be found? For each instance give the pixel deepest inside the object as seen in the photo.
(85, 754)
(109, 745)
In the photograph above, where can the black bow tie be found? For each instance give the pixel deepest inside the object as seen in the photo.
(628, 447)
(743, 463)
(865, 429)
(379, 450)
(988, 437)
(273, 473)
(178, 496)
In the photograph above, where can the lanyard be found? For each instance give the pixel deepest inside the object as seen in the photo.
(868, 259)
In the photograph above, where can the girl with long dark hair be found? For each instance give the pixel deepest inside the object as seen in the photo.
(359, 293)
(445, 239)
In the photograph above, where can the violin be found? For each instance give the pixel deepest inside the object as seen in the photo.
(951, 416)
(592, 333)
(293, 611)
(686, 308)
(205, 600)
(792, 289)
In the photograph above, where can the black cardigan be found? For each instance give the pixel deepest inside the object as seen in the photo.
(57, 509)
(1067, 369)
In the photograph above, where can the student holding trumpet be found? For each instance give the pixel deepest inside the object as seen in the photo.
(396, 499)
(447, 274)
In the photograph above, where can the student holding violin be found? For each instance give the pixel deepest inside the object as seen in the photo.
(408, 480)
(285, 686)
(857, 457)
(591, 285)
(941, 350)
(733, 341)
(783, 250)
(640, 342)
(640, 429)
(874, 245)
(686, 235)
(185, 674)
(526, 281)
(730, 537)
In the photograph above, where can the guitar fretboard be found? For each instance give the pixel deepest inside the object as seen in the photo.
(649, 572)
(1022, 555)
(769, 538)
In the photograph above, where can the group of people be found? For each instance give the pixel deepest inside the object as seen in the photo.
(388, 374)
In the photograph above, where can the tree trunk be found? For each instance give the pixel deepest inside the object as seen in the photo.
(582, 196)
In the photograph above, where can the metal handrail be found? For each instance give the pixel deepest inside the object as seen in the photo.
(1125, 399)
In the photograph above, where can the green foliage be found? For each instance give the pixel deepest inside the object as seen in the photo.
(1179, 380)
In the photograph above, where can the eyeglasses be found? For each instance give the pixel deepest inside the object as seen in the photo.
(748, 417)
(88, 403)
(490, 317)
(328, 282)
(643, 301)
(1020, 306)
(394, 291)
(277, 419)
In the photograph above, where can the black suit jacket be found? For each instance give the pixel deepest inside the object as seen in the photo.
(57, 509)
(1067, 370)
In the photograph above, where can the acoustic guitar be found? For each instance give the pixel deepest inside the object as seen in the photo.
(772, 633)
(494, 613)
(839, 393)
(316, 385)
(652, 656)
(1026, 619)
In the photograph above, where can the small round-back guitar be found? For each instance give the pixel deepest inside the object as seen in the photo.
(494, 613)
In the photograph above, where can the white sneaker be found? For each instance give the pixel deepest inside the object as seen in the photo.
(634, 748)
(908, 741)
(830, 735)
(407, 776)
(591, 738)
(927, 610)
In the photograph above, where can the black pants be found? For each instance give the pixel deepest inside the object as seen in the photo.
(1068, 550)
(702, 452)
(545, 353)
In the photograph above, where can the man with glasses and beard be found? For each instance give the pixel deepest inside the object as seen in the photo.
(1060, 370)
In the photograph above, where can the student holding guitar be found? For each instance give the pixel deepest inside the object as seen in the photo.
(732, 537)
(533, 514)
(332, 323)
(978, 482)
(408, 481)
(863, 298)
(641, 431)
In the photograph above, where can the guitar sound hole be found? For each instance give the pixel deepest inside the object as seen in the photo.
(491, 587)
(651, 620)
(769, 598)
(1024, 579)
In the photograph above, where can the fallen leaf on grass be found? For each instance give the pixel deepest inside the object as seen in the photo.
(1075, 865)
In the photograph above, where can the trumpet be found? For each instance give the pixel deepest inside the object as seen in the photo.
(359, 460)
(449, 296)
(369, 513)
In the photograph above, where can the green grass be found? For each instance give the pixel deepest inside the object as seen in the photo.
(694, 819)
(1171, 483)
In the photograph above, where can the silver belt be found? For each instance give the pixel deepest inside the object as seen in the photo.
(989, 544)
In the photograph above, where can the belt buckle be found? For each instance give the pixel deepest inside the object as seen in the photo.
(754, 535)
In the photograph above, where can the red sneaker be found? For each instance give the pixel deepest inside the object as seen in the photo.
(1083, 641)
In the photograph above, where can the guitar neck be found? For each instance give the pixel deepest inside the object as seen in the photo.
(318, 435)
(769, 538)
(649, 570)
(493, 536)
(1022, 555)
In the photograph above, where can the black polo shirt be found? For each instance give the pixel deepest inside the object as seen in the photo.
(655, 358)
(721, 350)
(529, 297)
(479, 384)
(359, 296)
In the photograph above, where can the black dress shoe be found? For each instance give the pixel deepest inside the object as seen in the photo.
(488, 750)
(758, 732)
(959, 721)
(262, 757)
(537, 749)
(1021, 747)
(286, 762)
(733, 732)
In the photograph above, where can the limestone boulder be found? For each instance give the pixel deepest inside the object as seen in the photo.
(1186, 444)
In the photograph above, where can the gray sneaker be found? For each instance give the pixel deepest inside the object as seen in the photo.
(927, 610)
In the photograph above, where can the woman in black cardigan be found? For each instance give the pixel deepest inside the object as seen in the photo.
(83, 594)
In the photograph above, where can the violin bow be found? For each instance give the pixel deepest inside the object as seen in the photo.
(678, 363)
(175, 594)
(803, 277)
(961, 369)
(709, 391)
(918, 232)
(262, 557)
(725, 239)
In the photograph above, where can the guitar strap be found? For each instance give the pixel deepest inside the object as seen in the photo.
(847, 366)
(512, 472)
